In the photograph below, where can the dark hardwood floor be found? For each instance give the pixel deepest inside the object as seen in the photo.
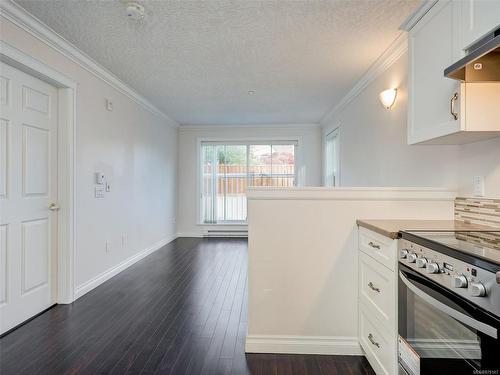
(181, 310)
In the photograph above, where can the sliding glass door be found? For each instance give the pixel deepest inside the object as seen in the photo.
(227, 169)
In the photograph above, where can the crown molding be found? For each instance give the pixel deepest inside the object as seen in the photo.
(248, 126)
(397, 48)
(29, 23)
(413, 18)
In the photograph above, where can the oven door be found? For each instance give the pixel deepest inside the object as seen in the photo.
(441, 333)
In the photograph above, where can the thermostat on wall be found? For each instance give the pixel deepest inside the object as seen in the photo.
(99, 178)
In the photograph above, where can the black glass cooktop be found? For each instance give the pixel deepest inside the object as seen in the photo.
(476, 244)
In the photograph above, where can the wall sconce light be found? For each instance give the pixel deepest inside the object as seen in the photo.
(388, 98)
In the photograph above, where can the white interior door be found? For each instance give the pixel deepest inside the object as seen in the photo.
(28, 182)
(332, 158)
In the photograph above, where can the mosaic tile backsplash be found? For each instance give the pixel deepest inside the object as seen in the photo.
(481, 211)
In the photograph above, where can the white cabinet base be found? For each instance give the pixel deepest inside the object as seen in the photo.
(377, 300)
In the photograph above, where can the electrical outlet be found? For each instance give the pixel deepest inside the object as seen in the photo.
(124, 240)
(108, 247)
(478, 186)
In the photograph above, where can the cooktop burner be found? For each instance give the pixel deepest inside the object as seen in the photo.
(477, 244)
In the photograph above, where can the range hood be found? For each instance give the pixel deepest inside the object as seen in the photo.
(482, 63)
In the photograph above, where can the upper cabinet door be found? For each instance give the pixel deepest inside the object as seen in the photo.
(433, 47)
(478, 18)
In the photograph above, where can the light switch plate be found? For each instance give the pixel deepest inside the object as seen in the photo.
(479, 186)
(109, 105)
(99, 192)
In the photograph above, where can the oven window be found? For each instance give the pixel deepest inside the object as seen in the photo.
(443, 344)
(434, 334)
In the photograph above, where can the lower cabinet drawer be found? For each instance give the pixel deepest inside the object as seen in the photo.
(378, 343)
(377, 289)
(380, 248)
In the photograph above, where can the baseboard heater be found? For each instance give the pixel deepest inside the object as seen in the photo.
(226, 233)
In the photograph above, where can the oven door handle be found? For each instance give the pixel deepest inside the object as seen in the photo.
(465, 319)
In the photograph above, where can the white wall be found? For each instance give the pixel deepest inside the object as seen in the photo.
(308, 162)
(374, 150)
(480, 159)
(373, 141)
(302, 275)
(136, 149)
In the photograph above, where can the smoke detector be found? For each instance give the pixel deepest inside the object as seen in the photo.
(135, 11)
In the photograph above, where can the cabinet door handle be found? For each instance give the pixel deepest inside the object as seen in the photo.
(370, 337)
(452, 106)
(372, 287)
(374, 245)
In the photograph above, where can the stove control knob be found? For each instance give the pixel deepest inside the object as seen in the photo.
(476, 289)
(421, 262)
(403, 253)
(459, 281)
(432, 268)
(411, 257)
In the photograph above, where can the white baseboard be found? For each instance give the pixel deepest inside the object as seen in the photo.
(328, 345)
(115, 270)
(190, 234)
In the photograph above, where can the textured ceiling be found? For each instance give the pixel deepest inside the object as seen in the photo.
(197, 60)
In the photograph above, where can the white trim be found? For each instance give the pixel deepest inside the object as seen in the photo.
(213, 127)
(328, 345)
(417, 15)
(397, 48)
(115, 270)
(25, 20)
(66, 163)
(355, 194)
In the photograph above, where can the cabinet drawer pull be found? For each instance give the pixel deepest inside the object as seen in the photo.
(452, 106)
(372, 287)
(375, 246)
(370, 337)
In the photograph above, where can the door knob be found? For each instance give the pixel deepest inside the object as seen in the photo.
(54, 207)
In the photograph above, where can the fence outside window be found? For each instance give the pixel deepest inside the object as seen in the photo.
(228, 169)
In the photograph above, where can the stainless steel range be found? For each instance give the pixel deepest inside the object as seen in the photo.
(449, 303)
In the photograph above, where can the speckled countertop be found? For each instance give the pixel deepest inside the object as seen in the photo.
(391, 228)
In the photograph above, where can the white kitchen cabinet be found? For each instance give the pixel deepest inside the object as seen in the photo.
(478, 18)
(442, 110)
(377, 300)
(431, 49)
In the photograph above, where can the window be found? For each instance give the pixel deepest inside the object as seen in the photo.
(332, 158)
(227, 169)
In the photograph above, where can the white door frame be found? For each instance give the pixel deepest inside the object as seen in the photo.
(66, 159)
(335, 131)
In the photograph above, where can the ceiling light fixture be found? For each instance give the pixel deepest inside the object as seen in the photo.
(251, 92)
(135, 11)
(388, 97)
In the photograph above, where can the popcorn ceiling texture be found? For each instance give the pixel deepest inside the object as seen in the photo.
(196, 60)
